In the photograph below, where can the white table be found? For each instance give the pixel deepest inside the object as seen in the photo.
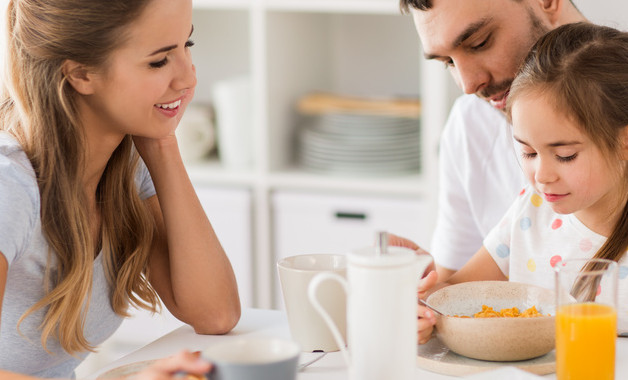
(273, 323)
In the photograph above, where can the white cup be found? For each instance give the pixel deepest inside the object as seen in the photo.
(307, 327)
(232, 104)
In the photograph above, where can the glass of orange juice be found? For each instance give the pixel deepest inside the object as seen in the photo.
(586, 319)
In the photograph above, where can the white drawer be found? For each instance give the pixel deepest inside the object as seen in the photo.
(318, 223)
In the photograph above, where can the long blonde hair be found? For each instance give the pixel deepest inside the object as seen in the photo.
(38, 107)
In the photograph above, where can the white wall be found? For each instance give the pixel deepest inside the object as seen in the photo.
(612, 13)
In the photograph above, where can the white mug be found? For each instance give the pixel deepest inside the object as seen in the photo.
(306, 326)
(381, 312)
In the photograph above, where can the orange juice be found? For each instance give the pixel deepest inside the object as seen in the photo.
(585, 342)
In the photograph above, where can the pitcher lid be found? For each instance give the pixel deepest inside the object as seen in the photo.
(370, 256)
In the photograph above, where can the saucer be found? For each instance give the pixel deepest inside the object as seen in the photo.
(434, 356)
(126, 372)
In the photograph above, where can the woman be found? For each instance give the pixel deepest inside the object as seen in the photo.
(97, 212)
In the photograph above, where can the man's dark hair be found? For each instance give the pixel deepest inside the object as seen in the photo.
(406, 5)
(423, 5)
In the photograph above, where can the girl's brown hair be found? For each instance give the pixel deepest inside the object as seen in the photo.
(38, 107)
(584, 68)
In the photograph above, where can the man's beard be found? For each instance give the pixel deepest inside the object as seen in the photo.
(537, 30)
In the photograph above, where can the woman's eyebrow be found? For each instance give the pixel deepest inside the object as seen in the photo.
(168, 48)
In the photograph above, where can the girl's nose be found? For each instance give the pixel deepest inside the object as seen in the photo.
(545, 173)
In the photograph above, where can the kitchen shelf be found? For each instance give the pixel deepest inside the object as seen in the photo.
(288, 49)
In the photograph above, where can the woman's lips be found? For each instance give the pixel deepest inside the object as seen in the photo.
(554, 197)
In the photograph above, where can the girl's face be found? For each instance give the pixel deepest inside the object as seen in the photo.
(561, 162)
(147, 82)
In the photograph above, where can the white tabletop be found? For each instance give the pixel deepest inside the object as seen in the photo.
(273, 323)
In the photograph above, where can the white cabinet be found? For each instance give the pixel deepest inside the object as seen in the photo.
(329, 223)
(229, 211)
(287, 49)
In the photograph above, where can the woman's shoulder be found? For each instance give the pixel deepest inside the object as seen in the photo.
(15, 167)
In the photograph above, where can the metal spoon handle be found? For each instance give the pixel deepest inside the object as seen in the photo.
(430, 306)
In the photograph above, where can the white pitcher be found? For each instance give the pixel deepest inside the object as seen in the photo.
(381, 311)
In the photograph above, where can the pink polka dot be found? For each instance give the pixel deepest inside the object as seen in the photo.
(556, 224)
(555, 259)
(585, 245)
(523, 191)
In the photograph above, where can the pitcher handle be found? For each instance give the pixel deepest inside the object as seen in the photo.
(312, 288)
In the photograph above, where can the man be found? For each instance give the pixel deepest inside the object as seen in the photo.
(481, 43)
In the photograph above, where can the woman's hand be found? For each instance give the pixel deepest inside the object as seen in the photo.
(167, 368)
(426, 317)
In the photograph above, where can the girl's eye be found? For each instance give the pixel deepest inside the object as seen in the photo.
(567, 159)
(158, 64)
(528, 156)
(189, 44)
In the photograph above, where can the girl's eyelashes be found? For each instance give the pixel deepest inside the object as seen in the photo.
(568, 158)
(163, 62)
(527, 155)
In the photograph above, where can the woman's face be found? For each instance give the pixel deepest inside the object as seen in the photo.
(562, 162)
(149, 80)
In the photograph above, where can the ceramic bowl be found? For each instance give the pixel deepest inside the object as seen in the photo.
(495, 339)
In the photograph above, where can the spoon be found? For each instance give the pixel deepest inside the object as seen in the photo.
(301, 367)
(431, 307)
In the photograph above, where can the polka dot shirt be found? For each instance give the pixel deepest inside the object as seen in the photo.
(531, 238)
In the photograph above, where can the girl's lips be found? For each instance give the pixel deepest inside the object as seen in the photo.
(554, 197)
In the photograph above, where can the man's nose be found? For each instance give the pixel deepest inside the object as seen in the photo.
(471, 78)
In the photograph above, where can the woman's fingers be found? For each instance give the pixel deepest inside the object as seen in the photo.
(183, 362)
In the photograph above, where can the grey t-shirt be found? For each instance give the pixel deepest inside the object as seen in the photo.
(26, 250)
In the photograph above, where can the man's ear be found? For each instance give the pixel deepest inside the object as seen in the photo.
(552, 9)
(79, 77)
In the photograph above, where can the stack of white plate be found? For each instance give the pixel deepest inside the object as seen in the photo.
(358, 144)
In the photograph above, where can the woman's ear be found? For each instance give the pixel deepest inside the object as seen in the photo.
(79, 77)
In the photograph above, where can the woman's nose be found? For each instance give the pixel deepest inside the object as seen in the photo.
(186, 75)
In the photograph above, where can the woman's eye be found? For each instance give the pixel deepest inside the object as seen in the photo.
(189, 44)
(449, 63)
(568, 158)
(159, 64)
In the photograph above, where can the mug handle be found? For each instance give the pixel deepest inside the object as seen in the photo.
(312, 289)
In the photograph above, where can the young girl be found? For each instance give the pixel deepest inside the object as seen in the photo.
(97, 212)
(569, 112)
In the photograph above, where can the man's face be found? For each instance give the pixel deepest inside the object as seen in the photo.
(481, 42)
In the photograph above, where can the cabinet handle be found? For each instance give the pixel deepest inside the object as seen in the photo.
(351, 215)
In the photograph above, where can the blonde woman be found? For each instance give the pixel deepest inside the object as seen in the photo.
(97, 213)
